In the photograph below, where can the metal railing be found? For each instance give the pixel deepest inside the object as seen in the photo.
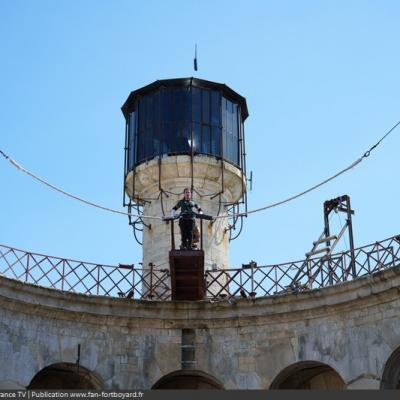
(154, 283)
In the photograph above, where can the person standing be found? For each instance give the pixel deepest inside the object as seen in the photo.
(186, 218)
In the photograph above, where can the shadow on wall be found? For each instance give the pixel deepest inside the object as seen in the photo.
(308, 375)
(188, 379)
(66, 376)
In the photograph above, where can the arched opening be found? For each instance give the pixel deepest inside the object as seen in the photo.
(65, 376)
(308, 375)
(391, 372)
(188, 379)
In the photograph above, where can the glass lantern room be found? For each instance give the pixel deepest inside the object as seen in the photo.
(184, 116)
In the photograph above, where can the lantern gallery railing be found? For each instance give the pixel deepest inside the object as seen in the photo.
(153, 283)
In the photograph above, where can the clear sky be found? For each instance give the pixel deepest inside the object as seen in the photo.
(322, 84)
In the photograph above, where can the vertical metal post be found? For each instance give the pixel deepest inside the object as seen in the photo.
(98, 279)
(27, 269)
(244, 167)
(322, 271)
(327, 259)
(125, 161)
(135, 152)
(159, 175)
(240, 148)
(133, 279)
(378, 256)
(343, 266)
(159, 124)
(309, 274)
(351, 240)
(160, 148)
(222, 176)
(172, 235)
(63, 275)
(327, 210)
(241, 278)
(222, 148)
(252, 278)
(201, 234)
(326, 223)
(151, 265)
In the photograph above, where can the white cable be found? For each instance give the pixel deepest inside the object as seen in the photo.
(19, 167)
(299, 194)
(90, 203)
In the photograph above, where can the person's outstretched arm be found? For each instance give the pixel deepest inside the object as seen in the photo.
(174, 209)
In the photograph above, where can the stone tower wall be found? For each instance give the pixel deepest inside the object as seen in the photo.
(172, 175)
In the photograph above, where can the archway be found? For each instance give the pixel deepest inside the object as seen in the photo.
(391, 372)
(188, 379)
(65, 376)
(308, 375)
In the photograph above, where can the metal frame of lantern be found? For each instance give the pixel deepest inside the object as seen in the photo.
(235, 223)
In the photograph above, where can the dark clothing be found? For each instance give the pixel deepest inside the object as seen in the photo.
(186, 221)
(187, 226)
(186, 207)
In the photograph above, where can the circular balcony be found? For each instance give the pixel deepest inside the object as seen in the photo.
(152, 283)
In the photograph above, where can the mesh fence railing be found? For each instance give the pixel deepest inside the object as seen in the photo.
(155, 284)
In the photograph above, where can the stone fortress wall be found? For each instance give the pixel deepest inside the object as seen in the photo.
(345, 336)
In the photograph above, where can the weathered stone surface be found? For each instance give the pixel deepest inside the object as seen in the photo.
(353, 328)
(171, 175)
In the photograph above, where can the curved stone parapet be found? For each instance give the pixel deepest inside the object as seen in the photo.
(349, 331)
(210, 176)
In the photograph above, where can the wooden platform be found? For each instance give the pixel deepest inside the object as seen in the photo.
(187, 274)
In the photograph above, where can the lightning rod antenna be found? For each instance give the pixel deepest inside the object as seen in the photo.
(195, 57)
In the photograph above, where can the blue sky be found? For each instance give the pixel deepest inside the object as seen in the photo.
(321, 79)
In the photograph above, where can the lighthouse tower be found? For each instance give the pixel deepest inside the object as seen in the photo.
(180, 133)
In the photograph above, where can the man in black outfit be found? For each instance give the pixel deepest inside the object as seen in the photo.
(186, 219)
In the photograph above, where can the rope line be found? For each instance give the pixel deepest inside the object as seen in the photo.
(304, 192)
(368, 152)
(90, 203)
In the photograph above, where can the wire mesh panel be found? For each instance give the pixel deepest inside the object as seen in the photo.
(65, 274)
(305, 275)
(155, 284)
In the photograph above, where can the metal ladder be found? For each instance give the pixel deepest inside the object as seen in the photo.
(339, 204)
